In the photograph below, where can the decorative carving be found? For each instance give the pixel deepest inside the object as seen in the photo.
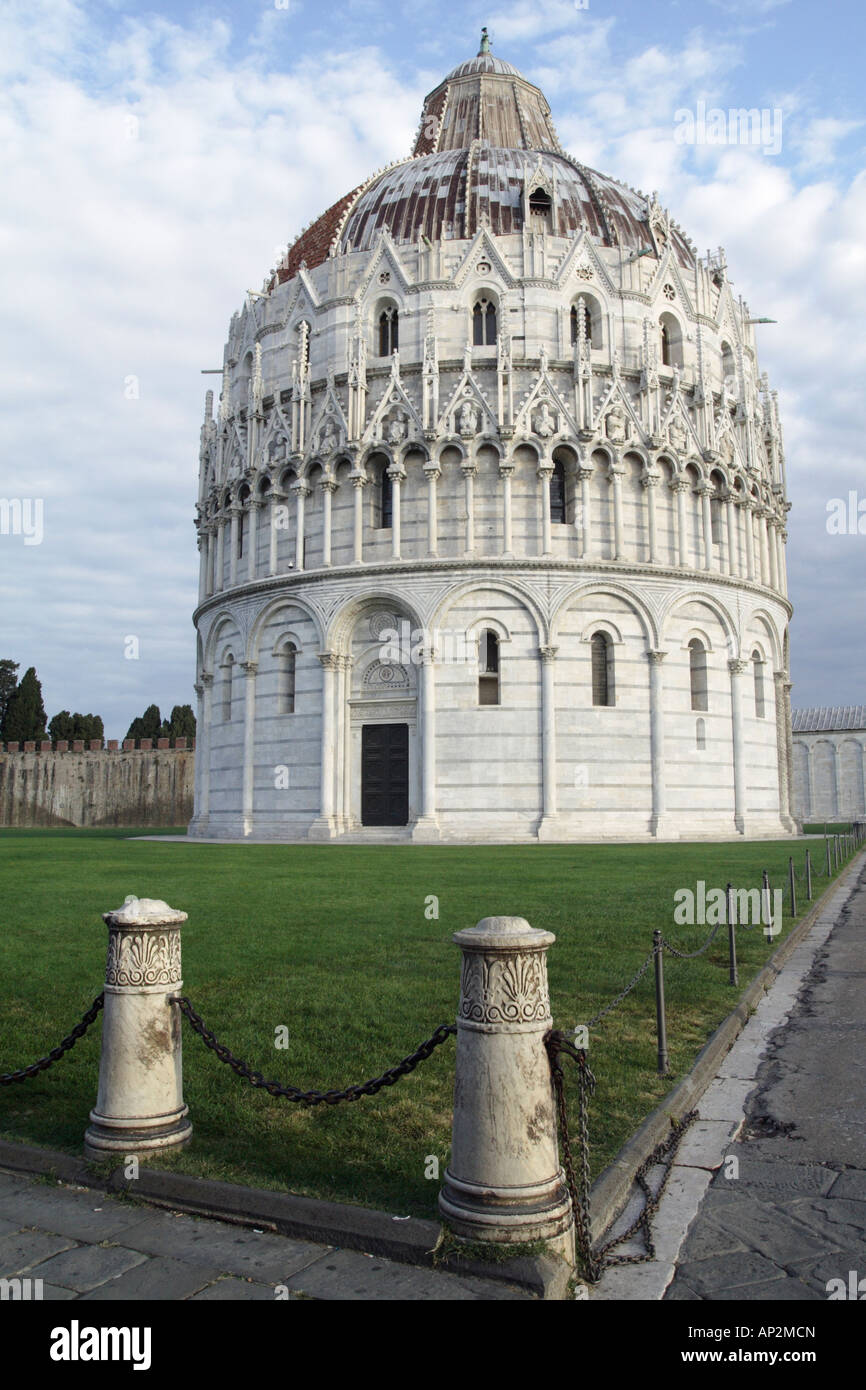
(386, 675)
(143, 957)
(617, 424)
(544, 424)
(468, 419)
(512, 989)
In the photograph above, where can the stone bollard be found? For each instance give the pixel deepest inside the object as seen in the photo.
(139, 1105)
(504, 1183)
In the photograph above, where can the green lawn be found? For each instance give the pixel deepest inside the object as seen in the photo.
(333, 942)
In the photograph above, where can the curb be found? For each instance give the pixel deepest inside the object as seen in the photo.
(611, 1189)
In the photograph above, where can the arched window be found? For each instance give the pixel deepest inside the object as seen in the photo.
(666, 345)
(388, 331)
(488, 669)
(241, 524)
(286, 659)
(540, 211)
(557, 494)
(698, 674)
(484, 323)
(228, 672)
(602, 669)
(716, 500)
(587, 324)
(758, 672)
(670, 341)
(386, 499)
(700, 735)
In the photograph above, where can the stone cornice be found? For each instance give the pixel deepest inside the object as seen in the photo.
(362, 574)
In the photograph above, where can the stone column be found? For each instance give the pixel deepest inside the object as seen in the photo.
(650, 482)
(738, 669)
(837, 781)
(746, 507)
(323, 827)
(584, 474)
(547, 827)
(504, 1183)
(680, 487)
(658, 821)
(220, 555)
(202, 566)
(506, 469)
(731, 519)
(705, 492)
(544, 473)
(359, 482)
(810, 775)
(278, 500)
(789, 739)
(211, 560)
(346, 662)
(252, 558)
(773, 554)
(301, 492)
(427, 825)
(396, 474)
(329, 487)
(234, 513)
(615, 476)
(469, 470)
(783, 563)
(764, 576)
(203, 690)
(249, 669)
(139, 1105)
(785, 785)
(434, 473)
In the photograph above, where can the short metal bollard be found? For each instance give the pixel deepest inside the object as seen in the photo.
(139, 1105)
(766, 901)
(792, 885)
(732, 934)
(504, 1183)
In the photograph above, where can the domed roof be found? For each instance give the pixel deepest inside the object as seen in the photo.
(485, 135)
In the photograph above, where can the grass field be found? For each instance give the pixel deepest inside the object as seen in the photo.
(333, 943)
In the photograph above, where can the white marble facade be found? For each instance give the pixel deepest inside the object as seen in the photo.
(599, 479)
(829, 782)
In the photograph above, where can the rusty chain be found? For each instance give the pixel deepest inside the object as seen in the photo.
(276, 1088)
(56, 1053)
(691, 955)
(595, 1261)
(609, 1008)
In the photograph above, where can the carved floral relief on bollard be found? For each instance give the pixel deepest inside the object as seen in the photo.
(504, 1183)
(139, 1105)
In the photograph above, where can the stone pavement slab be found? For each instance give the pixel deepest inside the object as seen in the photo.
(24, 1249)
(85, 1266)
(158, 1278)
(347, 1274)
(81, 1215)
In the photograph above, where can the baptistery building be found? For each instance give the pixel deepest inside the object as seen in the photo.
(492, 514)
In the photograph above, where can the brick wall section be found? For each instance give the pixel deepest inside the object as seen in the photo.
(111, 786)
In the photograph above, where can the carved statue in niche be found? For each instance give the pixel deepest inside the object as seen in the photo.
(545, 423)
(277, 448)
(678, 434)
(396, 429)
(329, 435)
(617, 424)
(468, 419)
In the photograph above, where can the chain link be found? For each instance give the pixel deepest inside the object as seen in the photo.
(602, 1013)
(275, 1088)
(596, 1261)
(56, 1053)
(690, 955)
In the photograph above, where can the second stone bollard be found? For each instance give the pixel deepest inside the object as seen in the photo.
(139, 1105)
(504, 1183)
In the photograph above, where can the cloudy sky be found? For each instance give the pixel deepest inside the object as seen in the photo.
(154, 159)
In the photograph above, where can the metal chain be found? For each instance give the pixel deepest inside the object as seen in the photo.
(275, 1088)
(690, 955)
(56, 1053)
(596, 1261)
(602, 1013)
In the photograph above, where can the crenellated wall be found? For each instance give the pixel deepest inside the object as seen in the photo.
(98, 787)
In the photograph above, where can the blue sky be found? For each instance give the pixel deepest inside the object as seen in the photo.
(155, 159)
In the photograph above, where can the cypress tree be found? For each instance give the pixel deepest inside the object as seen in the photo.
(25, 713)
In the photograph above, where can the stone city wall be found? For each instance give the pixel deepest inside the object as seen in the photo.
(92, 785)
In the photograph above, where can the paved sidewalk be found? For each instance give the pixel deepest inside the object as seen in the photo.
(789, 1104)
(795, 1216)
(84, 1244)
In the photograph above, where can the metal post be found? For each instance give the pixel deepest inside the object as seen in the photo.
(766, 901)
(808, 876)
(139, 1104)
(836, 850)
(732, 935)
(827, 847)
(792, 885)
(504, 1183)
(661, 1029)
